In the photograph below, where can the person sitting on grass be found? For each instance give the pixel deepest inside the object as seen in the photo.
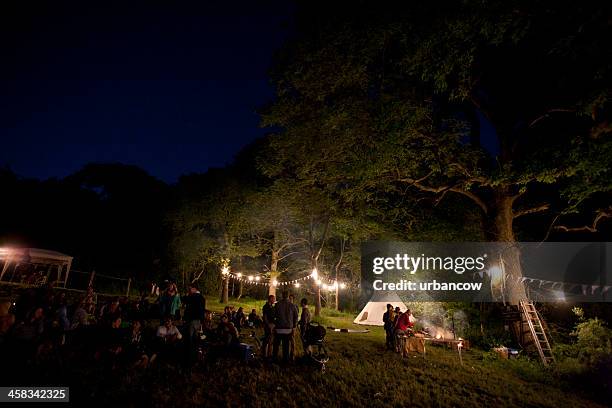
(254, 319)
(135, 351)
(168, 340)
(168, 333)
(111, 344)
(239, 319)
(227, 332)
(207, 324)
(227, 311)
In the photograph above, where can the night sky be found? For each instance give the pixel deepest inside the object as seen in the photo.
(172, 90)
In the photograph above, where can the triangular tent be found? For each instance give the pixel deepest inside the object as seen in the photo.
(372, 313)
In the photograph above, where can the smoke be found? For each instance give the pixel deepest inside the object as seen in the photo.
(438, 321)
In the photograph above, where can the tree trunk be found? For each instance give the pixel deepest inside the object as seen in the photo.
(273, 272)
(240, 281)
(337, 269)
(318, 301)
(224, 295)
(315, 253)
(500, 229)
(318, 293)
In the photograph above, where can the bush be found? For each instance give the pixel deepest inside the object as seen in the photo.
(594, 342)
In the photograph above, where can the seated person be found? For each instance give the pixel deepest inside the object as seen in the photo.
(227, 332)
(111, 343)
(227, 311)
(207, 324)
(239, 319)
(168, 332)
(168, 340)
(136, 352)
(254, 319)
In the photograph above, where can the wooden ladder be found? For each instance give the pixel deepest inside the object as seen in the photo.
(537, 332)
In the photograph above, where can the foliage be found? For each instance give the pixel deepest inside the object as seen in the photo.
(377, 101)
(593, 342)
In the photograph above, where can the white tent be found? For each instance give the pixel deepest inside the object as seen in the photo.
(53, 259)
(372, 313)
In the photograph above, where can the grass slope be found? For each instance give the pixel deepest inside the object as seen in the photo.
(362, 373)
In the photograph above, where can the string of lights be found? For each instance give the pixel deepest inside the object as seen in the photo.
(325, 283)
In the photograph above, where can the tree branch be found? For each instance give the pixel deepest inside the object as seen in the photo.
(444, 189)
(540, 208)
(601, 215)
(547, 115)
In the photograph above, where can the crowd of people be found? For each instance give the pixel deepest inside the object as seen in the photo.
(42, 326)
(397, 323)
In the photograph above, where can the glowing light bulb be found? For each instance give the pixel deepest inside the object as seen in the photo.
(251, 278)
(297, 285)
(239, 275)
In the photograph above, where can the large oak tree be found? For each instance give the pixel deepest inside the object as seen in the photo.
(500, 105)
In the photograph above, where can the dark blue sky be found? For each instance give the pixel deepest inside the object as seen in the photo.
(172, 90)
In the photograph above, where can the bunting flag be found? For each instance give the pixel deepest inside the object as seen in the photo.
(586, 289)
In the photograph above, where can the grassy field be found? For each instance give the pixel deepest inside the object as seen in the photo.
(361, 373)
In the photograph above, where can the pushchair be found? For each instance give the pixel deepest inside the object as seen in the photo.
(314, 342)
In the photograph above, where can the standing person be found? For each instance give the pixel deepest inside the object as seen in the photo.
(286, 319)
(403, 326)
(175, 302)
(304, 322)
(195, 307)
(268, 323)
(292, 338)
(389, 323)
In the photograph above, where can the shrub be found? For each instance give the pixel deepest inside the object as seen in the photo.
(594, 341)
